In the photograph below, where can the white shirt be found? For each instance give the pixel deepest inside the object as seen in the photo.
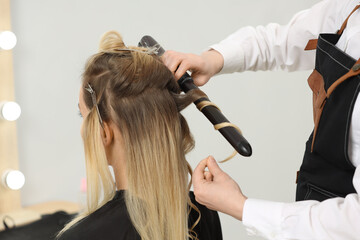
(282, 47)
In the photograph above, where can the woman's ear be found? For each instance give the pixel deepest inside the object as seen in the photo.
(107, 134)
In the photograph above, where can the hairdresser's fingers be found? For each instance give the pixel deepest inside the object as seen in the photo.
(208, 176)
(198, 174)
(213, 167)
(200, 79)
(172, 60)
(178, 63)
(182, 68)
(191, 62)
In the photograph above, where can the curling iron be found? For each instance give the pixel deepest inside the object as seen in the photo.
(213, 114)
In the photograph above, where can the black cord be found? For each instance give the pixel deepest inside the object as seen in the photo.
(5, 224)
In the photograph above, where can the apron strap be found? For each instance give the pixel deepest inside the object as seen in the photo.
(355, 70)
(343, 26)
(312, 43)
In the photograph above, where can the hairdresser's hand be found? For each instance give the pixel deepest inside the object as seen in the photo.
(202, 67)
(217, 190)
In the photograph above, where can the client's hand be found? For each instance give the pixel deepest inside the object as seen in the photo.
(203, 66)
(217, 190)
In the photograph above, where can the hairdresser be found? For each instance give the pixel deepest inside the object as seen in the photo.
(325, 38)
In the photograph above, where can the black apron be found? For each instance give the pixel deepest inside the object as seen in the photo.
(326, 171)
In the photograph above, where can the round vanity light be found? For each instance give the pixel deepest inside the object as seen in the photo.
(10, 111)
(13, 179)
(7, 40)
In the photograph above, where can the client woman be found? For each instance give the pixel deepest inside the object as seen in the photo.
(131, 107)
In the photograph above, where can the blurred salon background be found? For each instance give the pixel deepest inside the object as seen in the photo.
(56, 37)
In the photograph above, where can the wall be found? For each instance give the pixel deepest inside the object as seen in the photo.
(56, 37)
(9, 199)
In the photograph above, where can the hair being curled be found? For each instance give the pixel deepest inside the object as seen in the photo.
(137, 92)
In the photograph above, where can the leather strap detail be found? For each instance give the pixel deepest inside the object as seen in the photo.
(316, 83)
(297, 176)
(355, 70)
(311, 45)
(343, 26)
(317, 120)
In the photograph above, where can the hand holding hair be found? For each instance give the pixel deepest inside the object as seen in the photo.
(217, 190)
(230, 131)
(203, 66)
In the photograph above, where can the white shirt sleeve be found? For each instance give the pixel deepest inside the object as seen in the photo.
(336, 218)
(280, 47)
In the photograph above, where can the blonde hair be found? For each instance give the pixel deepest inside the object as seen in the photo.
(140, 95)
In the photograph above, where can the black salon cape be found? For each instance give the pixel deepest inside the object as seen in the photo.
(112, 221)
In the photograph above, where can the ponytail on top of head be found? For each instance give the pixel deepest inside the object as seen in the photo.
(111, 41)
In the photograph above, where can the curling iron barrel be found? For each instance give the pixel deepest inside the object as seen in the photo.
(186, 83)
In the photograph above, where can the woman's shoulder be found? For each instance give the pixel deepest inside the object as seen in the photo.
(209, 226)
(111, 221)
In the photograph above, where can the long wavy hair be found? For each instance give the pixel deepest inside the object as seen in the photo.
(137, 92)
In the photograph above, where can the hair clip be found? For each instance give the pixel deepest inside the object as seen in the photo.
(149, 51)
(93, 97)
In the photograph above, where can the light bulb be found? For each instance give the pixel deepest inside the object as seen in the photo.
(10, 111)
(13, 179)
(7, 40)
